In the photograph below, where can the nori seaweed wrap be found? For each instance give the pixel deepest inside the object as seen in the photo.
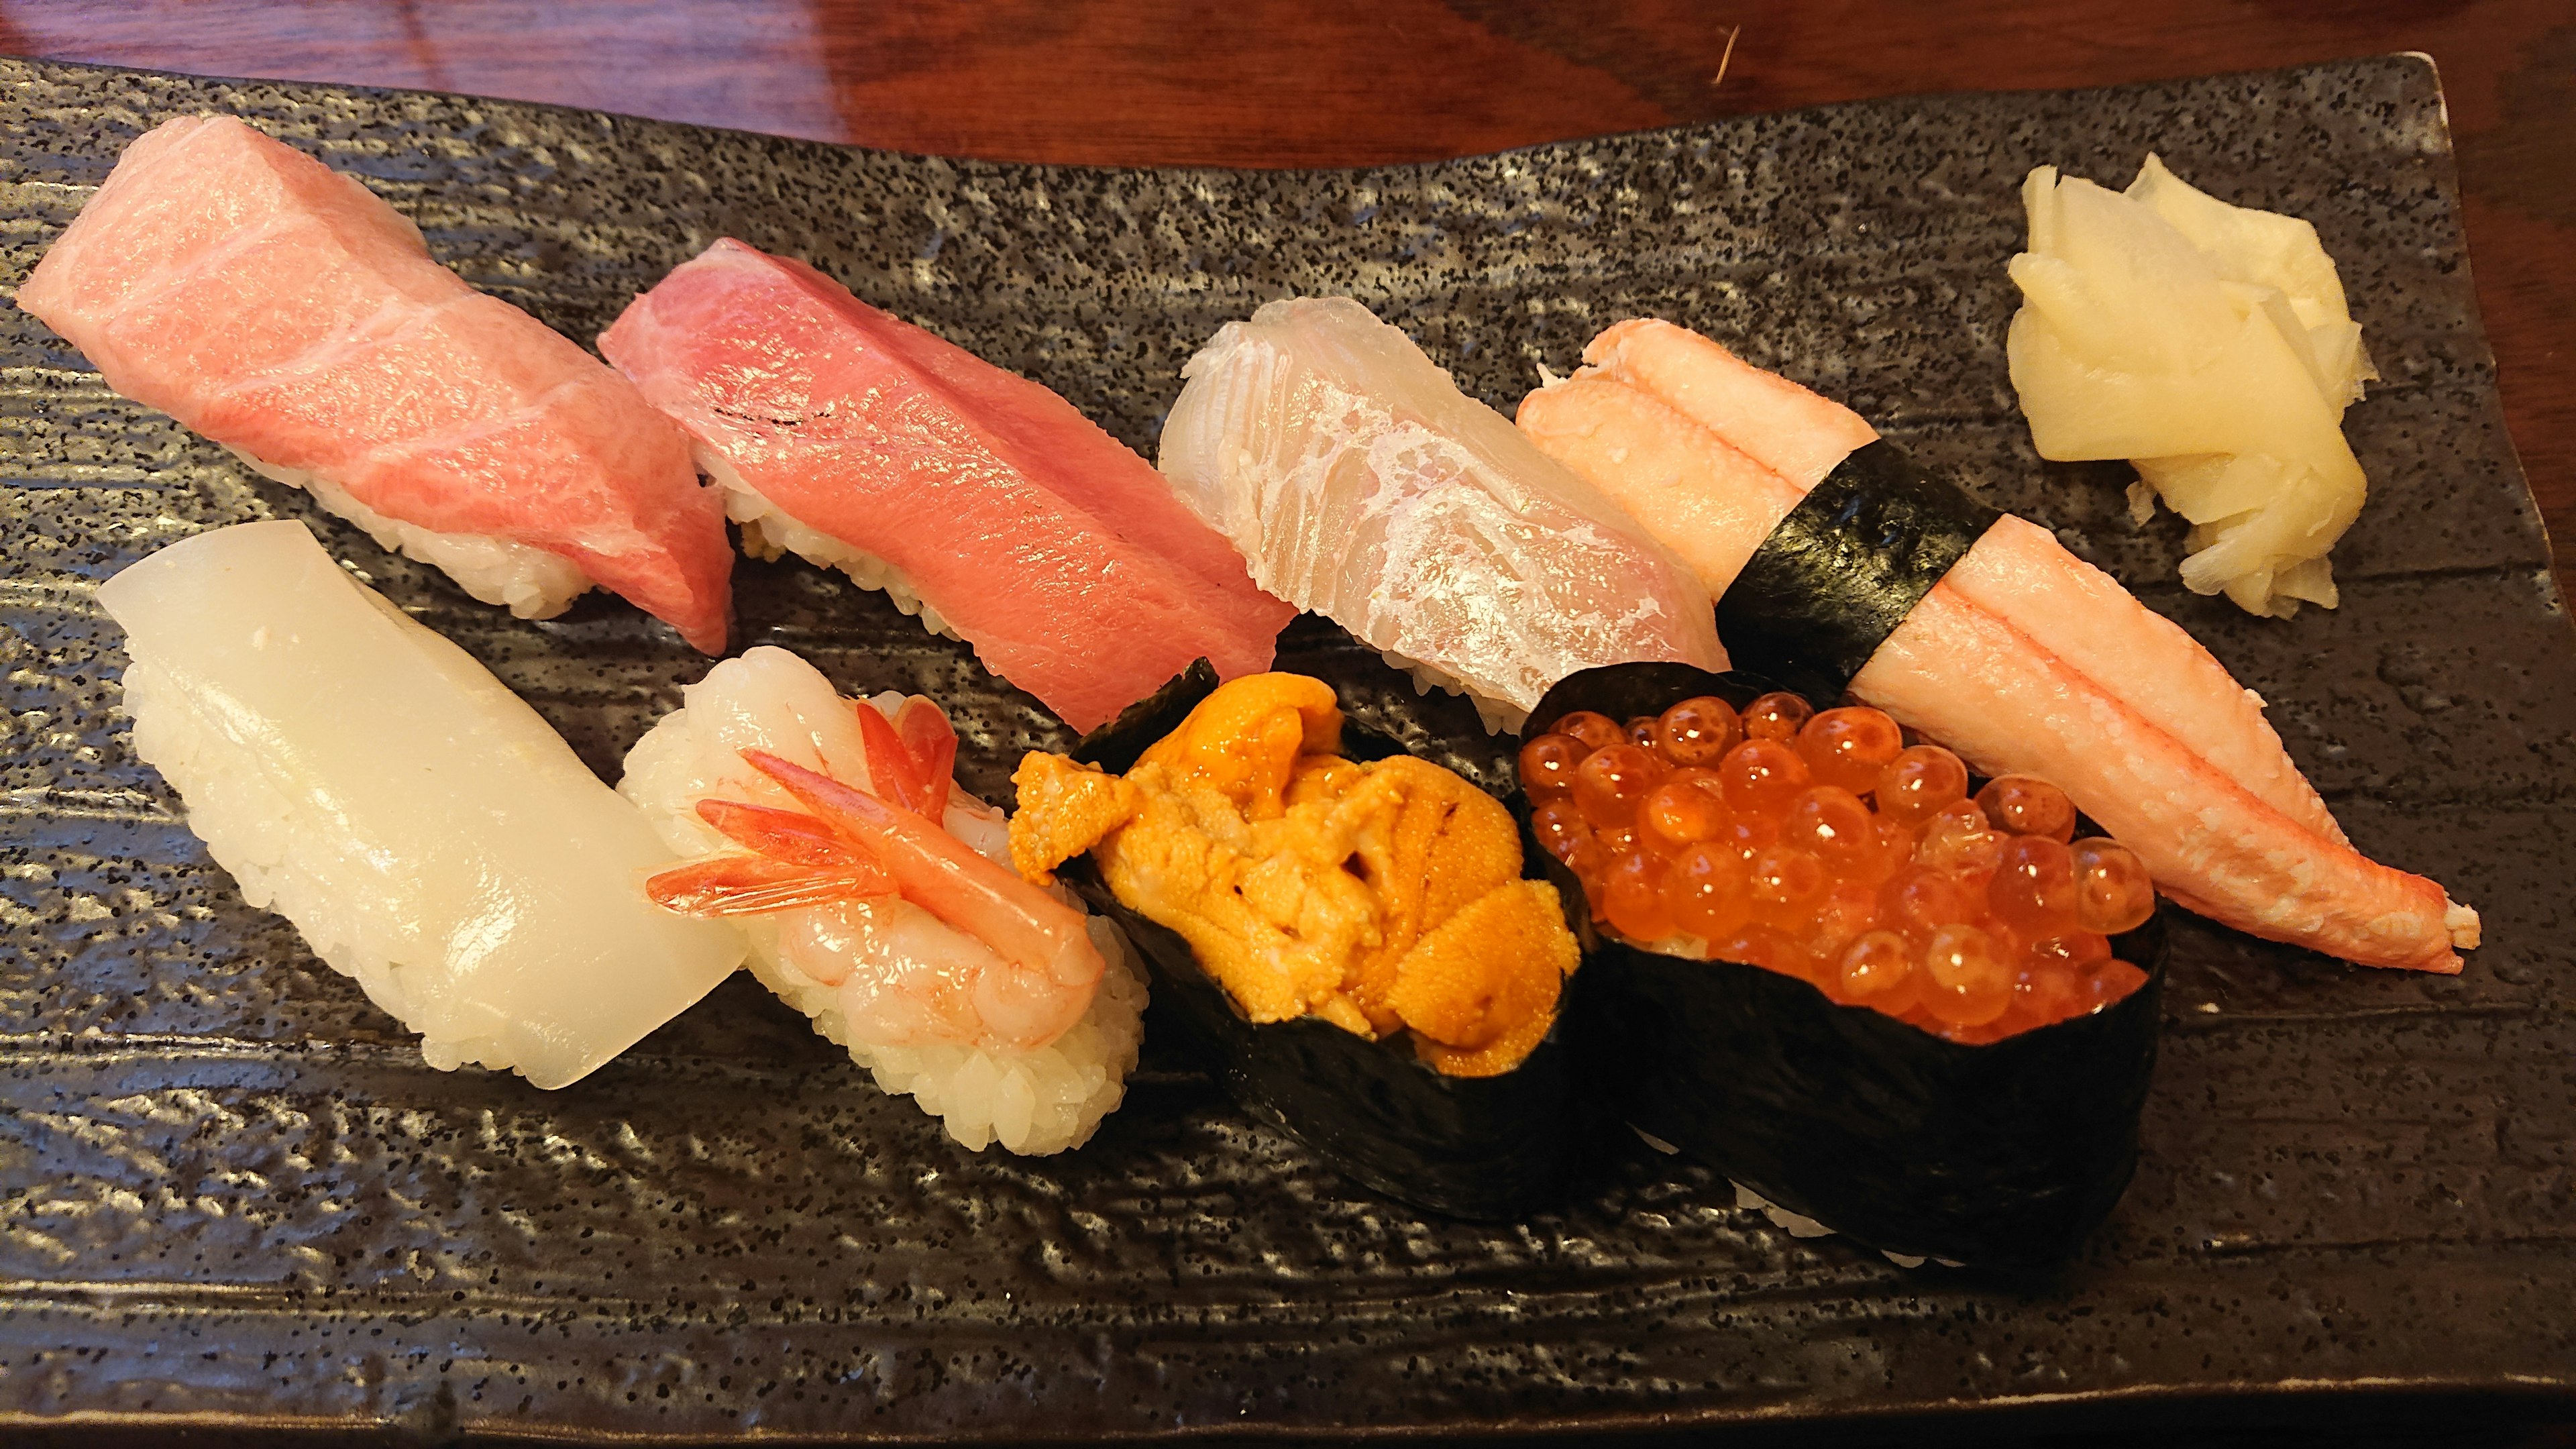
(2003, 1155)
(1490, 1148)
(1841, 570)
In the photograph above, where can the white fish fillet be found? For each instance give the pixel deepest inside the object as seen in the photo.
(1362, 485)
(424, 828)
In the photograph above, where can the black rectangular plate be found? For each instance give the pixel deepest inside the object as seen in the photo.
(230, 1193)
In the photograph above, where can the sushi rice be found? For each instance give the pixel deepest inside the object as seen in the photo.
(768, 531)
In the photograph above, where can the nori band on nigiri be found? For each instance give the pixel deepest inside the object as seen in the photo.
(1483, 1148)
(2003, 1155)
(1844, 568)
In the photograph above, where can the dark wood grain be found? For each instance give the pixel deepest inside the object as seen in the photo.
(1342, 82)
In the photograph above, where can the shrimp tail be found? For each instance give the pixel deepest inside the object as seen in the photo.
(941, 874)
(751, 885)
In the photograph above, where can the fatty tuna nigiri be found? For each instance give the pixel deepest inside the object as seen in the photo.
(286, 312)
(1362, 484)
(978, 499)
(2022, 658)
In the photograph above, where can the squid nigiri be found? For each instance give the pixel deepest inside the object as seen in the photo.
(423, 828)
(878, 899)
(288, 313)
(2022, 658)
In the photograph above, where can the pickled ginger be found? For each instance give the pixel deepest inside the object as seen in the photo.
(2209, 344)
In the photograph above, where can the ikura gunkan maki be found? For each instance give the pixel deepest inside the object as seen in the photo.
(1344, 931)
(1914, 1007)
(1822, 846)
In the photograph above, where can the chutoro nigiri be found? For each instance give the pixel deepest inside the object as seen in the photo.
(286, 312)
(1363, 485)
(977, 499)
(878, 899)
(428, 833)
(2022, 658)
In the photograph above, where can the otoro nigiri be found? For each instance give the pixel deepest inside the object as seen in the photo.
(2022, 658)
(428, 833)
(1363, 485)
(286, 312)
(878, 899)
(975, 498)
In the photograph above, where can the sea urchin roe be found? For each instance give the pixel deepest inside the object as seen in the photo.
(1382, 897)
(1822, 846)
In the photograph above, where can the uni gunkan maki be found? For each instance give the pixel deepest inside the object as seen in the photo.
(1345, 932)
(1827, 962)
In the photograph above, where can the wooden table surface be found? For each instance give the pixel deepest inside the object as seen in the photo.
(1343, 82)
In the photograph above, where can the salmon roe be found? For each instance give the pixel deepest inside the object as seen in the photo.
(1822, 846)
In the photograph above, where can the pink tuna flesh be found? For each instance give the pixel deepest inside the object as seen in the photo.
(285, 311)
(2024, 657)
(1055, 551)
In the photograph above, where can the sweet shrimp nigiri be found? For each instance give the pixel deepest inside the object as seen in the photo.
(878, 899)
(2023, 658)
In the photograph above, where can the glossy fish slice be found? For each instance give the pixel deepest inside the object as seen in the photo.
(2023, 658)
(1364, 486)
(977, 499)
(284, 311)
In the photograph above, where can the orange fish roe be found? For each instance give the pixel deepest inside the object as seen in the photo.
(1820, 845)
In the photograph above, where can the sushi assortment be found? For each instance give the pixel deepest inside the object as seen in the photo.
(1768, 917)
(1980, 631)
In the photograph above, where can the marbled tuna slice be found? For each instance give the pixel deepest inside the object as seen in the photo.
(2023, 658)
(286, 312)
(978, 499)
(1363, 485)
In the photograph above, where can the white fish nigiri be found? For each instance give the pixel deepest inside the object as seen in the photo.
(2208, 344)
(424, 828)
(1002, 1009)
(1361, 484)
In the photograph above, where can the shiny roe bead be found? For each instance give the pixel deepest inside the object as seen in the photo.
(2033, 887)
(1547, 765)
(2074, 953)
(1847, 910)
(1746, 836)
(1762, 776)
(1704, 891)
(1918, 901)
(1966, 982)
(2028, 805)
(1777, 716)
(2046, 994)
(1560, 827)
(1830, 823)
(1783, 877)
(1919, 782)
(1682, 812)
(1957, 838)
(1698, 731)
(1594, 730)
(1612, 782)
(1766, 947)
(1641, 731)
(2112, 890)
(2110, 982)
(1633, 891)
(1850, 747)
(1877, 969)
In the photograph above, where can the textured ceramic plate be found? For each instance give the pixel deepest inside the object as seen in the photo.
(230, 1193)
